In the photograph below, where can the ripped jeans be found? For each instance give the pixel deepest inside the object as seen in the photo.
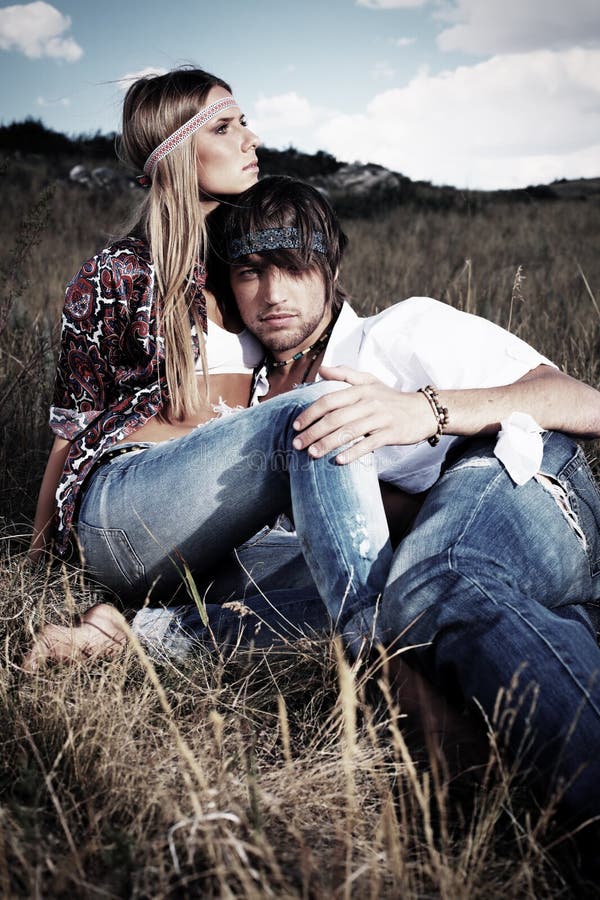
(497, 589)
(150, 519)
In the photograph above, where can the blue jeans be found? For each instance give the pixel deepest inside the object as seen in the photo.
(496, 588)
(183, 505)
(262, 596)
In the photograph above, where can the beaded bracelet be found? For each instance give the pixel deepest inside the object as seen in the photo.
(440, 412)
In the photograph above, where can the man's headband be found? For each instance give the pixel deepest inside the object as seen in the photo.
(273, 239)
(182, 134)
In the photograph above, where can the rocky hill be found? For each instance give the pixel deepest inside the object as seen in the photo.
(355, 189)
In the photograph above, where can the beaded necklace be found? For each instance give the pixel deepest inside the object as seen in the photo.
(318, 346)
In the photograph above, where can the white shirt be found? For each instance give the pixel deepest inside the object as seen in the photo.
(422, 341)
(229, 352)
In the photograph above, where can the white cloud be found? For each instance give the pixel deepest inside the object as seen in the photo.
(382, 71)
(508, 26)
(404, 41)
(37, 30)
(284, 110)
(391, 4)
(288, 120)
(125, 81)
(505, 122)
(59, 101)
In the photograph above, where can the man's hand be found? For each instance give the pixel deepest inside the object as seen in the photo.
(369, 413)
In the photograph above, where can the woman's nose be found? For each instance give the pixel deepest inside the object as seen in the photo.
(250, 140)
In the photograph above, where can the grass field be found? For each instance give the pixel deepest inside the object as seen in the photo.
(264, 775)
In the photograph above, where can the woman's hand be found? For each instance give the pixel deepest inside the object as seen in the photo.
(368, 413)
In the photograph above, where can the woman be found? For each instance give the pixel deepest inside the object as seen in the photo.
(153, 480)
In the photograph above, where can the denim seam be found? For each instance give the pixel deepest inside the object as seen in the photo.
(490, 487)
(536, 631)
(453, 566)
(332, 533)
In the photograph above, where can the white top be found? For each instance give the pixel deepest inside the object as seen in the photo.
(422, 341)
(229, 353)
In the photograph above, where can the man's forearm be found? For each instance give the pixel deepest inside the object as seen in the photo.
(375, 415)
(556, 401)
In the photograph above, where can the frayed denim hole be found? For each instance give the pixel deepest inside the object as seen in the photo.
(566, 501)
(584, 492)
(478, 462)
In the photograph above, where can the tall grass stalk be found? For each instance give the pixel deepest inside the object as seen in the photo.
(258, 774)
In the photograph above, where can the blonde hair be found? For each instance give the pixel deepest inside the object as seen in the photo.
(170, 217)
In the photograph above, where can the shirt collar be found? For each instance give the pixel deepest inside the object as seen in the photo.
(346, 338)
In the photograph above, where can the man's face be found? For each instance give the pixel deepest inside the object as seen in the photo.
(286, 309)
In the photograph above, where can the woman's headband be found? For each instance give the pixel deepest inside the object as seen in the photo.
(287, 238)
(182, 133)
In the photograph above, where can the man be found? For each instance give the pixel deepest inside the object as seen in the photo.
(494, 592)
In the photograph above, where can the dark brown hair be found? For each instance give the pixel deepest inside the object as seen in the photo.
(278, 201)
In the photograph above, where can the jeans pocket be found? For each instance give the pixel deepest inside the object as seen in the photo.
(110, 558)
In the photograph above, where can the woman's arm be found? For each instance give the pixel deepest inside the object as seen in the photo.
(44, 513)
(380, 416)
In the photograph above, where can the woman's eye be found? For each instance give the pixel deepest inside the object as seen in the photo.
(222, 129)
(244, 121)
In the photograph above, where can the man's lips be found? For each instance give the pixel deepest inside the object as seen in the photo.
(277, 319)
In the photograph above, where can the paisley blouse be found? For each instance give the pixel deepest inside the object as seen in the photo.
(110, 376)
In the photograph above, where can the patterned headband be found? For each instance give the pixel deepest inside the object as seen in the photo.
(183, 133)
(273, 239)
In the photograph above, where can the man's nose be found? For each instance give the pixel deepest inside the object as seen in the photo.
(274, 286)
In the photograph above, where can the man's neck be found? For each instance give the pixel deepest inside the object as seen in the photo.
(309, 346)
(301, 371)
(300, 364)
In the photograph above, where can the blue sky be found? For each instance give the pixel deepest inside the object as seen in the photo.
(474, 93)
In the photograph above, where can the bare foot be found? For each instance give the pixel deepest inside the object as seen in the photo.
(101, 633)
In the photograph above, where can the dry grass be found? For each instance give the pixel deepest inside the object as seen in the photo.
(268, 774)
(273, 774)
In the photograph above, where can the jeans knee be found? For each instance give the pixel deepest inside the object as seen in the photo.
(295, 402)
(304, 394)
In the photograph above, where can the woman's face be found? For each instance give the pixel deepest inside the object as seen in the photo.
(226, 152)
